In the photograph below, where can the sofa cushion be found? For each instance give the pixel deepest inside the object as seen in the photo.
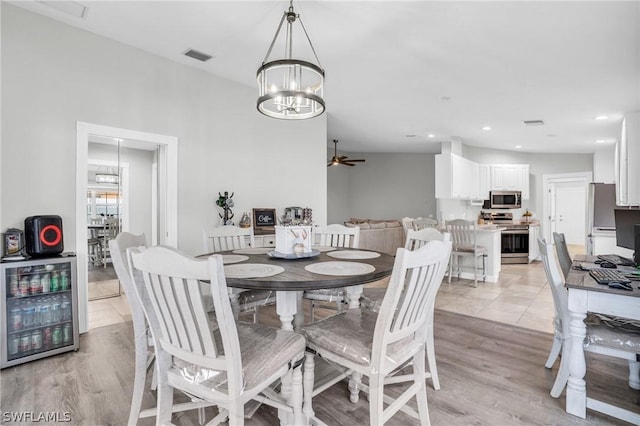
(377, 225)
(392, 224)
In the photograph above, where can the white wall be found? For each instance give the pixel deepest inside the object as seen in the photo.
(54, 75)
(386, 186)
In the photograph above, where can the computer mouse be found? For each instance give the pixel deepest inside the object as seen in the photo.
(605, 264)
(620, 286)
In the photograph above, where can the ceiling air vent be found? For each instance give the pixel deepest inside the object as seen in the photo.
(197, 55)
(533, 123)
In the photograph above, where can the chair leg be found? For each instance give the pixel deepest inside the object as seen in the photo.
(450, 268)
(312, 314)
(308, 382)
(236, 413)
(140, 372)
(634, 375)
(421, 395)
(431, 357)
(376, 399)
(563, 373)
(553, 354)
(296, 395)
(165, 391)
(354, 387)
(475, 271)
(285, 391)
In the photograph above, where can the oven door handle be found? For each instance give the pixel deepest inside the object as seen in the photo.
(516, 232)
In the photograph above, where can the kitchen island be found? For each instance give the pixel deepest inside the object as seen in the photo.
(487, 236)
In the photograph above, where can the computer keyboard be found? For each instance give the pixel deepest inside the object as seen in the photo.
(606, 276)
(616, 260)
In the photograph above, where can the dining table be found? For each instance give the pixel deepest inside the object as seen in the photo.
(585, 294)
(289, 275)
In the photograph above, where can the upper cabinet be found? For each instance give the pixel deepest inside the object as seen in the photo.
(459, 178)
(510, 177)
(456, 177)
(627, 164)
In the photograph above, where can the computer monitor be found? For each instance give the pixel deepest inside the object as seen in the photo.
(628, 230)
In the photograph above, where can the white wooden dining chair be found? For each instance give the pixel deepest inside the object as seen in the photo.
(143, 339)
(563, 253)
(600, 339)
(424, 222)
(230, 237)
(372, 299)
(465, 245)
(226, 237)
(220, 361)
(364, 343)
(334, 235)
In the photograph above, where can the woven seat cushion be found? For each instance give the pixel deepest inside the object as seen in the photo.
(263, 349)
(349, 334)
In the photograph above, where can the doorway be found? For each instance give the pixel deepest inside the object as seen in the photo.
(565, 207)
(165, 152)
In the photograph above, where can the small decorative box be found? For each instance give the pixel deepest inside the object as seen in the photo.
(293, 239)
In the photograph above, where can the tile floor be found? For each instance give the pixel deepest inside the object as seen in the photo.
(521, 297)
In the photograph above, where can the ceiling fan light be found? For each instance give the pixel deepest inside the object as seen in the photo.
(287, 77)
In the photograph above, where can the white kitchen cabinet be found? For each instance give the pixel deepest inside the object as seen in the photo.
(510, 177)
(456, 177)
(265, 240)
(484, 186)
(627, 164)
(534, 250)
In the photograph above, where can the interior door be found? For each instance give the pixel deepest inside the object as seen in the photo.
(569, 218)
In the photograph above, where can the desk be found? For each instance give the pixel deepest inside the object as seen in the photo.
(586, 295)
(290, 284)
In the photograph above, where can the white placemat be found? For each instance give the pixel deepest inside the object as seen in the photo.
(353, 254)
(252, 270)
(323, 248)
(340, 268)
(253, 250)
(233, 258)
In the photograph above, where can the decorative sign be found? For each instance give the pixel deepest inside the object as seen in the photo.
(264, 219)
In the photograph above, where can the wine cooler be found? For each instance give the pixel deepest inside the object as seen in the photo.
(39, 308)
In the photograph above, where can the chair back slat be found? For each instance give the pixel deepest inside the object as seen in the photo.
(337, 235)
(563, 253)
(227, 237)
(556, 282)
(415, 280)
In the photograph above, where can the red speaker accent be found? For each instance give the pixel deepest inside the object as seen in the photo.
(43, 235)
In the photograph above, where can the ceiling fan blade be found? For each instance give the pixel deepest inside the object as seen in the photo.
(342, 157)
(330, 164)
(359, 161)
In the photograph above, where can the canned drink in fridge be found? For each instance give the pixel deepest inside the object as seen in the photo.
(55, 285)
(14, 343)
(45, 282)
(15, 318)
(25, 343)
(56, 335)
(66, 333)
(46, 337)
(24, 286)
(34, 284)
(14, 286)
(36, 340)
(64, 280)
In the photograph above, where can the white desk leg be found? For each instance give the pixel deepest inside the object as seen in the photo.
(286, 307)
(576, 386)
(353, 296)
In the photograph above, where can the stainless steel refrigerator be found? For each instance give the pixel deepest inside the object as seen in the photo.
(601, 225)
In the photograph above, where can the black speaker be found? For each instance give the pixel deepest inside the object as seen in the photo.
(43, 235)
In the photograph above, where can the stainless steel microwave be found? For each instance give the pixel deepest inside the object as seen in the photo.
(505, 199)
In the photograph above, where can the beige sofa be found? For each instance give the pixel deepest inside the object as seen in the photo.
(379, 235)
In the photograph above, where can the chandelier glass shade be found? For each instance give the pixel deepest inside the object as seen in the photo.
(288, 88)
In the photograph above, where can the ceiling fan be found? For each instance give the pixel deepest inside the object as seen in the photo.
(342, 159)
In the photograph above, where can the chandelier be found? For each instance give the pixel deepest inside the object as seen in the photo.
(289, 88)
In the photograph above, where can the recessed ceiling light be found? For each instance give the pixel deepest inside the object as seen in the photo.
(518, 146)
(603, 141)
(600, 117)
(431, 135)
(486, 128)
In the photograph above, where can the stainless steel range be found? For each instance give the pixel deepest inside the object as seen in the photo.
(514, 239)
